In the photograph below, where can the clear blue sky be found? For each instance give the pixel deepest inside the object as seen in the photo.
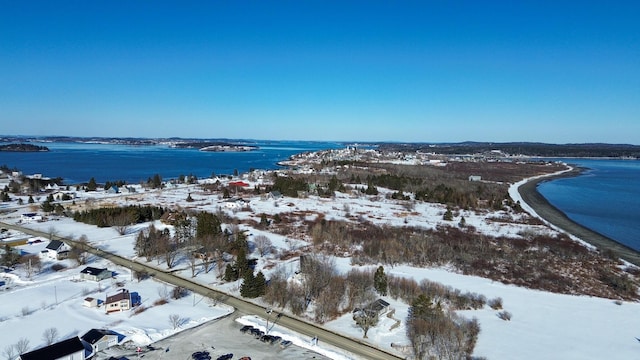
(424, 71)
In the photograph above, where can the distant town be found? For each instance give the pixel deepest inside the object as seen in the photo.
(584, 150)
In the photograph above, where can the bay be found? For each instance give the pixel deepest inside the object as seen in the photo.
(605, 198)
(79, 162)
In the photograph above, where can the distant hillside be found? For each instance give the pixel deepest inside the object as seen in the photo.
(524, 148)
(23, 148)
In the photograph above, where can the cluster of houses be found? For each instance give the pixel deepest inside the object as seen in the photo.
(95, 340)
(76, 348)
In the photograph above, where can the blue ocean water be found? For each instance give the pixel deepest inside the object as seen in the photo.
(78, 162)
(605, 198)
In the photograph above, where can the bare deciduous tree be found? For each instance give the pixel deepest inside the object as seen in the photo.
(50, 335)
(263, 244)
(9, 352)
(175, 320)
(122, 222)
(32, 264)
(22, 345)
(78, 252)
(366, 319)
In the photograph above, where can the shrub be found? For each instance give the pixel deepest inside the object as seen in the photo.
(160, 302)
(58, 267)
(495, 304)
(504, 315)
(178, 292)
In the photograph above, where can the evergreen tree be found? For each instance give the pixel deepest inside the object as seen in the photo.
(248, 287)
(156, 182)
(207, 225)
(277, 219)
(47, 206)
(242, 264)
(380, 281)
(334, 184)
(230, 273)
(31, 201)
(371, 189)
(448, 215)
(261, 284)
(92, 185)
(264, 222)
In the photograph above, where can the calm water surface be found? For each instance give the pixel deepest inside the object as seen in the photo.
(606, 198)
(75, 162)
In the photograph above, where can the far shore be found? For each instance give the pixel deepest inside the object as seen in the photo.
(530, 195)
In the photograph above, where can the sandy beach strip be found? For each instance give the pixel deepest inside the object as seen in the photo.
(532, 197)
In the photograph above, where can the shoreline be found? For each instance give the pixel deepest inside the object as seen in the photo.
(534, 199)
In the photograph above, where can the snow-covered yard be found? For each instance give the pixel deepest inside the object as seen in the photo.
(543, 325)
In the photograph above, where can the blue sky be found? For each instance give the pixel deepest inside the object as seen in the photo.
(425, 71)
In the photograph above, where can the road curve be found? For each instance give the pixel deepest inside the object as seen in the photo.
(349, 344)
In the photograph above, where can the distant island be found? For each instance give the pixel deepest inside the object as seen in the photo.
(23, 148)
(214, 146)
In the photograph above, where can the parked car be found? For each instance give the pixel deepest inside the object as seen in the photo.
(246, 328)
(201, 355)
(285, 344)
(225, 357)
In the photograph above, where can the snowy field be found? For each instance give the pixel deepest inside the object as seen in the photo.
(543, 325)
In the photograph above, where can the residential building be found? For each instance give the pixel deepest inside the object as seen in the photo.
(118, 302)
(95, 274)
(100, 339)
(69, 349)
(56, 250)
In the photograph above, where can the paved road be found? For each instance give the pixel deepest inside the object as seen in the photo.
(354, 346)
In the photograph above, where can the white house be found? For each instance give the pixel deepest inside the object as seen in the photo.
(28, 218)
(95, 274)
(118, 302)
(56, 250)
(100, 339)
(90, 302)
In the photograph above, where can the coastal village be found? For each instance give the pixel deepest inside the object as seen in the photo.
(345, 239)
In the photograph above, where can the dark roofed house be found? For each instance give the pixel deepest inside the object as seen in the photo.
(70, 349)
(380, 306)
(95, 274)
(57, 249)
(377, 307)
(100, 339)
(118, 302)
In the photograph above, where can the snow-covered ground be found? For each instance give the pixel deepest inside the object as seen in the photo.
(543, 325)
